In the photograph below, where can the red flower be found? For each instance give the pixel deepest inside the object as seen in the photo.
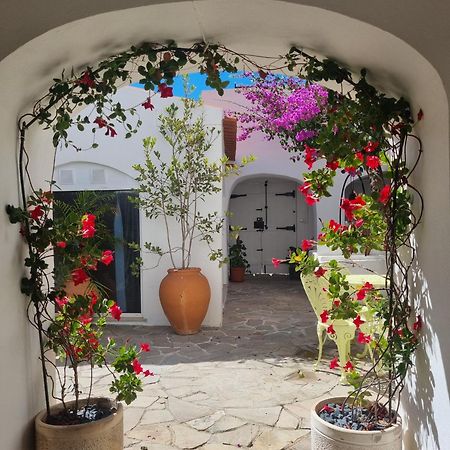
(86, 80)
(145, 347)
(110, 131)
(420, 115)
(166, 91)
(310, 156)
(61, 302)
(137, 368)
(417, 325)
(88, 226)
(360, 156)
(334, 363)
(276, 262)
(311, 199)
(373, 161)
(351, 170)
(330, 330)
(334, 226)
(107, 257)
(361, 294)
(85, 319)
(115, 311)
(147, 373)
(349, 366)
(359, 223)
(352, 205)
(327, 409)
(364, 338)
(36, 213)
(398, 332)
(304, 188)
(101, 122)
(324, 316)
(368, 286)
(385, 193)
(358, 321)
(61, 244)
(148, 104)
(306, 245)
(336, 302)
(320, 272)
(371, 146)
(79, 276)
(333, 165)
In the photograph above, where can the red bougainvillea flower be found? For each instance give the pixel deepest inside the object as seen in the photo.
(101, 122)
(307, 245)
(358, 321)
(360, 156)
(324, 316)
(85, 319)
(334, 363)
(166, 91)
(349, 366)
(110, 131)
(385, 193)
(361, 294)
(417, 325)
(371, 146)
(398, 332)
(61, 302)
(333, 165)
(107, 257)
(147, 373)
(327, 408)
(36, 213)
(320, 272)
(304, 188)
(137, 367)
(336, 302)
(349, 206)
(115, 311)
(368, 286)
(61, 244)
(334, 226)
(311, 199)
(364, 338)
(88, 226)
(79, 276)
(359, 223)
(145, 346)
(330, 330)
(88, 262)
(86, 80)
(47, 197)
(276, 262)
(373, 162)
(148, 104)
(351, 170)
(310, 156)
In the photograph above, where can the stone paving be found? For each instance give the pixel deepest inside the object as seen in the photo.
(247, 384)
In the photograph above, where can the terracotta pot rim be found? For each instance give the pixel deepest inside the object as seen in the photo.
(85, 426)
(186, 270)
(318, 406)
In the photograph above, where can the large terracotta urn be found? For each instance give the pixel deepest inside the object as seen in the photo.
(185, 295)
(103, 434)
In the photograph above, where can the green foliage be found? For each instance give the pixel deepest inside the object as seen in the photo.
(237, 254)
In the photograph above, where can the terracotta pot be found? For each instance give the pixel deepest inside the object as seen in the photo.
(324, 435)
(185, 295)
(237, 274)
(103, 434)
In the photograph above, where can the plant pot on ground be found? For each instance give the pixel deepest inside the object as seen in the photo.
(238, 262)
(174, 184)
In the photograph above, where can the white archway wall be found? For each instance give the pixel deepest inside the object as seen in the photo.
(25, 74)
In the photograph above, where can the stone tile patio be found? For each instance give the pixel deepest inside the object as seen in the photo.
(247, 384)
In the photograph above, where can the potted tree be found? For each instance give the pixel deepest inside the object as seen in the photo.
(238, 262)
(71, 331)
(173, 185)
(355, 132)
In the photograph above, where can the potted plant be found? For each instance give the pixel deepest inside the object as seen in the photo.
(71, 330)
(238, 262)
(173, 185)
(355, 132)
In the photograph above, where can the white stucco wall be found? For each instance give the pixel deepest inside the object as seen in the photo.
(393, 63)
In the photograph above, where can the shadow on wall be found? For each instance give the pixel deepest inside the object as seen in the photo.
(421, 429)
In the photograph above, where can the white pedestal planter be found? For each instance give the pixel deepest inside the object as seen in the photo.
(103, 434)
(325, 436)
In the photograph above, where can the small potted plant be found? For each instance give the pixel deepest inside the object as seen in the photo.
(238, 262)
(71, 331)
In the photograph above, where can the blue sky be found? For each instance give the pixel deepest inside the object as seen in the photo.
(198, 80)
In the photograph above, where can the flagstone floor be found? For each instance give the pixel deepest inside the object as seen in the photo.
(247, 384)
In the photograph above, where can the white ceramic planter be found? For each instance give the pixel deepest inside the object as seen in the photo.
(103, 434)
(325, 436)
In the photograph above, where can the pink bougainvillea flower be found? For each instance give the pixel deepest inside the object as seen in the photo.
(36, 213)
(79, 276)
(373, 162)
(61, 244)
(330, 330)
(165, 91)
(324, 316)
(107, 257)
(385, 194)
(61, 302)
(417, 325)
(148, 104)
(86, 79)
(137, 367)
(276, 262)
(145, 346)
(358, 321)
(333, 165)
(307, 245)
(364, 338)
(320, 272)
(349, 366)
(334, 363)
(101, 122)
(115, 311)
